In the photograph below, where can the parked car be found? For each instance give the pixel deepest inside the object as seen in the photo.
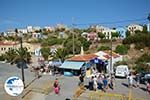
(144, 77)
(121, 71)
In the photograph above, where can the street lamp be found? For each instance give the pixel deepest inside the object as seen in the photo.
(21, 56)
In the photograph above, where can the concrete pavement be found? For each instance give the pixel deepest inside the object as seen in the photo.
(121, 88)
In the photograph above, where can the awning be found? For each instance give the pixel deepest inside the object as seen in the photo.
(72, 65)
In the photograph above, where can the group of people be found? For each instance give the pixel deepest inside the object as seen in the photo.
(131, 84)
(51, 70)
(101, 82)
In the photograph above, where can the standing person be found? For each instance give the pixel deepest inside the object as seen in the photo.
(105, 84)
(137, 80)
(91, 83)
(81, 78)
(37, 69)
(95, 83)
(99, 81)
(112, 81)
(56, 86)
(130, 80)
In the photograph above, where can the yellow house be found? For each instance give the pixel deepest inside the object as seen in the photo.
(7, 45)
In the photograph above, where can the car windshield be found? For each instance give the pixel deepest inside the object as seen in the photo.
(120, 69)
(147, 75)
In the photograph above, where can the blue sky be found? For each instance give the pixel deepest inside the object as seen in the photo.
(21, 13)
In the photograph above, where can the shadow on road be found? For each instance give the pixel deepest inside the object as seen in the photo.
(142, 88)
(124, 84)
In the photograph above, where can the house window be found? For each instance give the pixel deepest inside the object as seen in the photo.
(35, 35)
(9, 48)
(2, 49)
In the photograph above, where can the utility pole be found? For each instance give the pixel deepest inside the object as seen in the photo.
(111, 69)
(22, 69)
(73, 46)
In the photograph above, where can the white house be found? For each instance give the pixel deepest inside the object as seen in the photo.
(101, 28)
(37, 35)
(22, 31)
(148, 27)
(105, 55)
(133, 27)
(48, 28)
(108, 33)
(36, 28)
(29, 28)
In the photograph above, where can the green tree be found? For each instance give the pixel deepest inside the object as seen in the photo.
(22, 54)
(148, 17)
(144, 29)
(128, 33)
(141, 63)
(121, 49)
(61, 54)
(144, 58)
(101, 35)
(68, 43)
(10, 55)
(2, 57)
(103, 48)
(45, 51)
(16, 55)
(16, 30)
(84, 43)
(140, 40)
(115, 34)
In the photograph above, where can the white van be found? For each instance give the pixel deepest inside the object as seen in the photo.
(121, 71)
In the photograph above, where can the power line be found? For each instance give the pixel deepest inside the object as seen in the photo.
(113, 22)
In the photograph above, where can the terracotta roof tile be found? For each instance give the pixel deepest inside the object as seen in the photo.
(86, 57)
(8, 43)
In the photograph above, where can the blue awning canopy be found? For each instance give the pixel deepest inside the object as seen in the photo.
(72, 65)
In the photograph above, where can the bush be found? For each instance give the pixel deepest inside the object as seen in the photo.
(121, 49)
(105, 41)
(142, 63)
(142, 67)
(2, 58)
(103, 48)
(141, 40)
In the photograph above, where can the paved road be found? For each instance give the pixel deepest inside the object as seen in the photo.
(68, 88)
(121, 87)
(6, 71)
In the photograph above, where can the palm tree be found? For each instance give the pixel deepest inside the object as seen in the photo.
(10, 55)
(23, 54)
(61, 54)
(45, 52)
(14, 55)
